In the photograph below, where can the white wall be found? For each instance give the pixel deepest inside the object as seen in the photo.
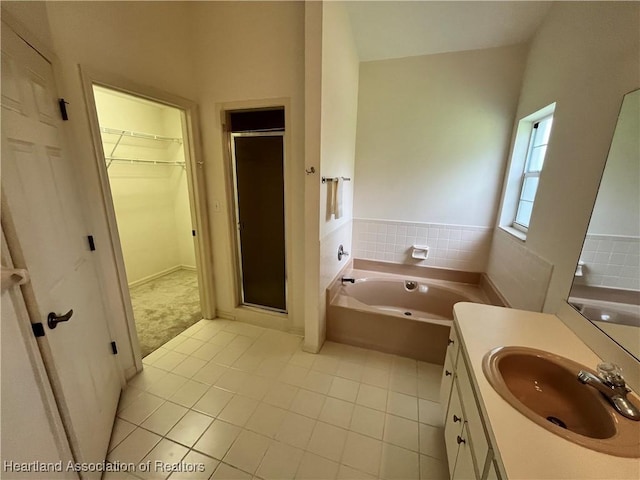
(585, 58)
(32, 15)
(433, 135)
(151, 201)
(339, 113)
(251, 54)
(340, 73)
(314, 328)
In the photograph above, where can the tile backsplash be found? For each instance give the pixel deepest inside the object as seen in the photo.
(611, 261)
(455, 247)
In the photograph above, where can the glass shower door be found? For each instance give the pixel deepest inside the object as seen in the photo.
(259, 183)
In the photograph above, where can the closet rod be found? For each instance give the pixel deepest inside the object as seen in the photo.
(146, 136)
(142, 161)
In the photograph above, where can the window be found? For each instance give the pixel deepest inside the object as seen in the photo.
(523, 175)
(536, 151)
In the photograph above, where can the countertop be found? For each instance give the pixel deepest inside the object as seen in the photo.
(526, 450)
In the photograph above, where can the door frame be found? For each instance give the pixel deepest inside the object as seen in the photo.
(236, 210)
(246, 313)
(195, 180)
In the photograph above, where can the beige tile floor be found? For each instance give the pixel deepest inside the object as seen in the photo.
(243, 402)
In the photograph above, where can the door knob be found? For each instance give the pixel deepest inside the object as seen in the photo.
(53, 319)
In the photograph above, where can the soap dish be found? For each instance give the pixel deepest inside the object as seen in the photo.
(420, 252)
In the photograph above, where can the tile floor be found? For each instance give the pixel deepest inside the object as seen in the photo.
(245, 402)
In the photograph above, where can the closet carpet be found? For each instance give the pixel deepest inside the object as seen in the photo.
(165, 307)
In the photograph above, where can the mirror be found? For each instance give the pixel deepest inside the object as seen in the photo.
(606, 288)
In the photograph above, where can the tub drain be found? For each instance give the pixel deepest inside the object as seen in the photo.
(557, 421)
(408, 314)
(410, 285)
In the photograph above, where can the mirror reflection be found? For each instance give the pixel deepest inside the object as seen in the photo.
(606, 288)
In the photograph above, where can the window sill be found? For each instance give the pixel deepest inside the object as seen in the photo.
(514, 232)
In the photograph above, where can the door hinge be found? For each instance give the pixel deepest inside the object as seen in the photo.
(63, 108)
(92, 244)
(114, 348)
(38, 329)
(193, 233)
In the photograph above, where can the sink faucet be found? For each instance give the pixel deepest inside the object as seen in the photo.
(347, 280)
(610, 383)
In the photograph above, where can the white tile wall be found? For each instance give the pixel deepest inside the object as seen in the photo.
(611, 261)
(520, 275)
(450, 246)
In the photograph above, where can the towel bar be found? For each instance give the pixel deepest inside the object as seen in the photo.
(334, 179)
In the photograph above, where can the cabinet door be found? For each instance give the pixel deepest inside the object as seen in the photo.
(453, 346)
(453, 427)
(472, 416)
(445, 385)
(464, 469)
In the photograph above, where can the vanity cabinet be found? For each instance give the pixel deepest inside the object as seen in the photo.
(469, 454)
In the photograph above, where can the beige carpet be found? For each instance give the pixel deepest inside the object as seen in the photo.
(164, 307)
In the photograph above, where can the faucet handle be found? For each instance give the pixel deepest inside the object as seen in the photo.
(611, 373)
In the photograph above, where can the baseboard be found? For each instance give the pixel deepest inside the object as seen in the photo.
(225, 315)
(297, 331)
(155, 276)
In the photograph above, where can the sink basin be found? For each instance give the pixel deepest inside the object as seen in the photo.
(543, 387)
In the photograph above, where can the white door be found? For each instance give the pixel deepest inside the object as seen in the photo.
(31, 408)
(48, 238)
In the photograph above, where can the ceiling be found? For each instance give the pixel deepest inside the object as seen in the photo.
(396, 29)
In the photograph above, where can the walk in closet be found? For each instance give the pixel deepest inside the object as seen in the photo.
(145, 161)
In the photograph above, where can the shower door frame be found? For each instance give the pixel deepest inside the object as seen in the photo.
(196, 190)
(236, 210)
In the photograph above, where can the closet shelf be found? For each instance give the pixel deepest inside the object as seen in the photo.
(144, 136)
(163, 142)
(110, 160)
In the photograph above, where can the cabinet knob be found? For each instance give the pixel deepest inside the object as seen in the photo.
(460, 440)
(447, 373)
(450, 342)
(456, 419)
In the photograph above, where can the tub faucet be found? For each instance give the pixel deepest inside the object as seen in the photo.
(610, 383)
(347, 280)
